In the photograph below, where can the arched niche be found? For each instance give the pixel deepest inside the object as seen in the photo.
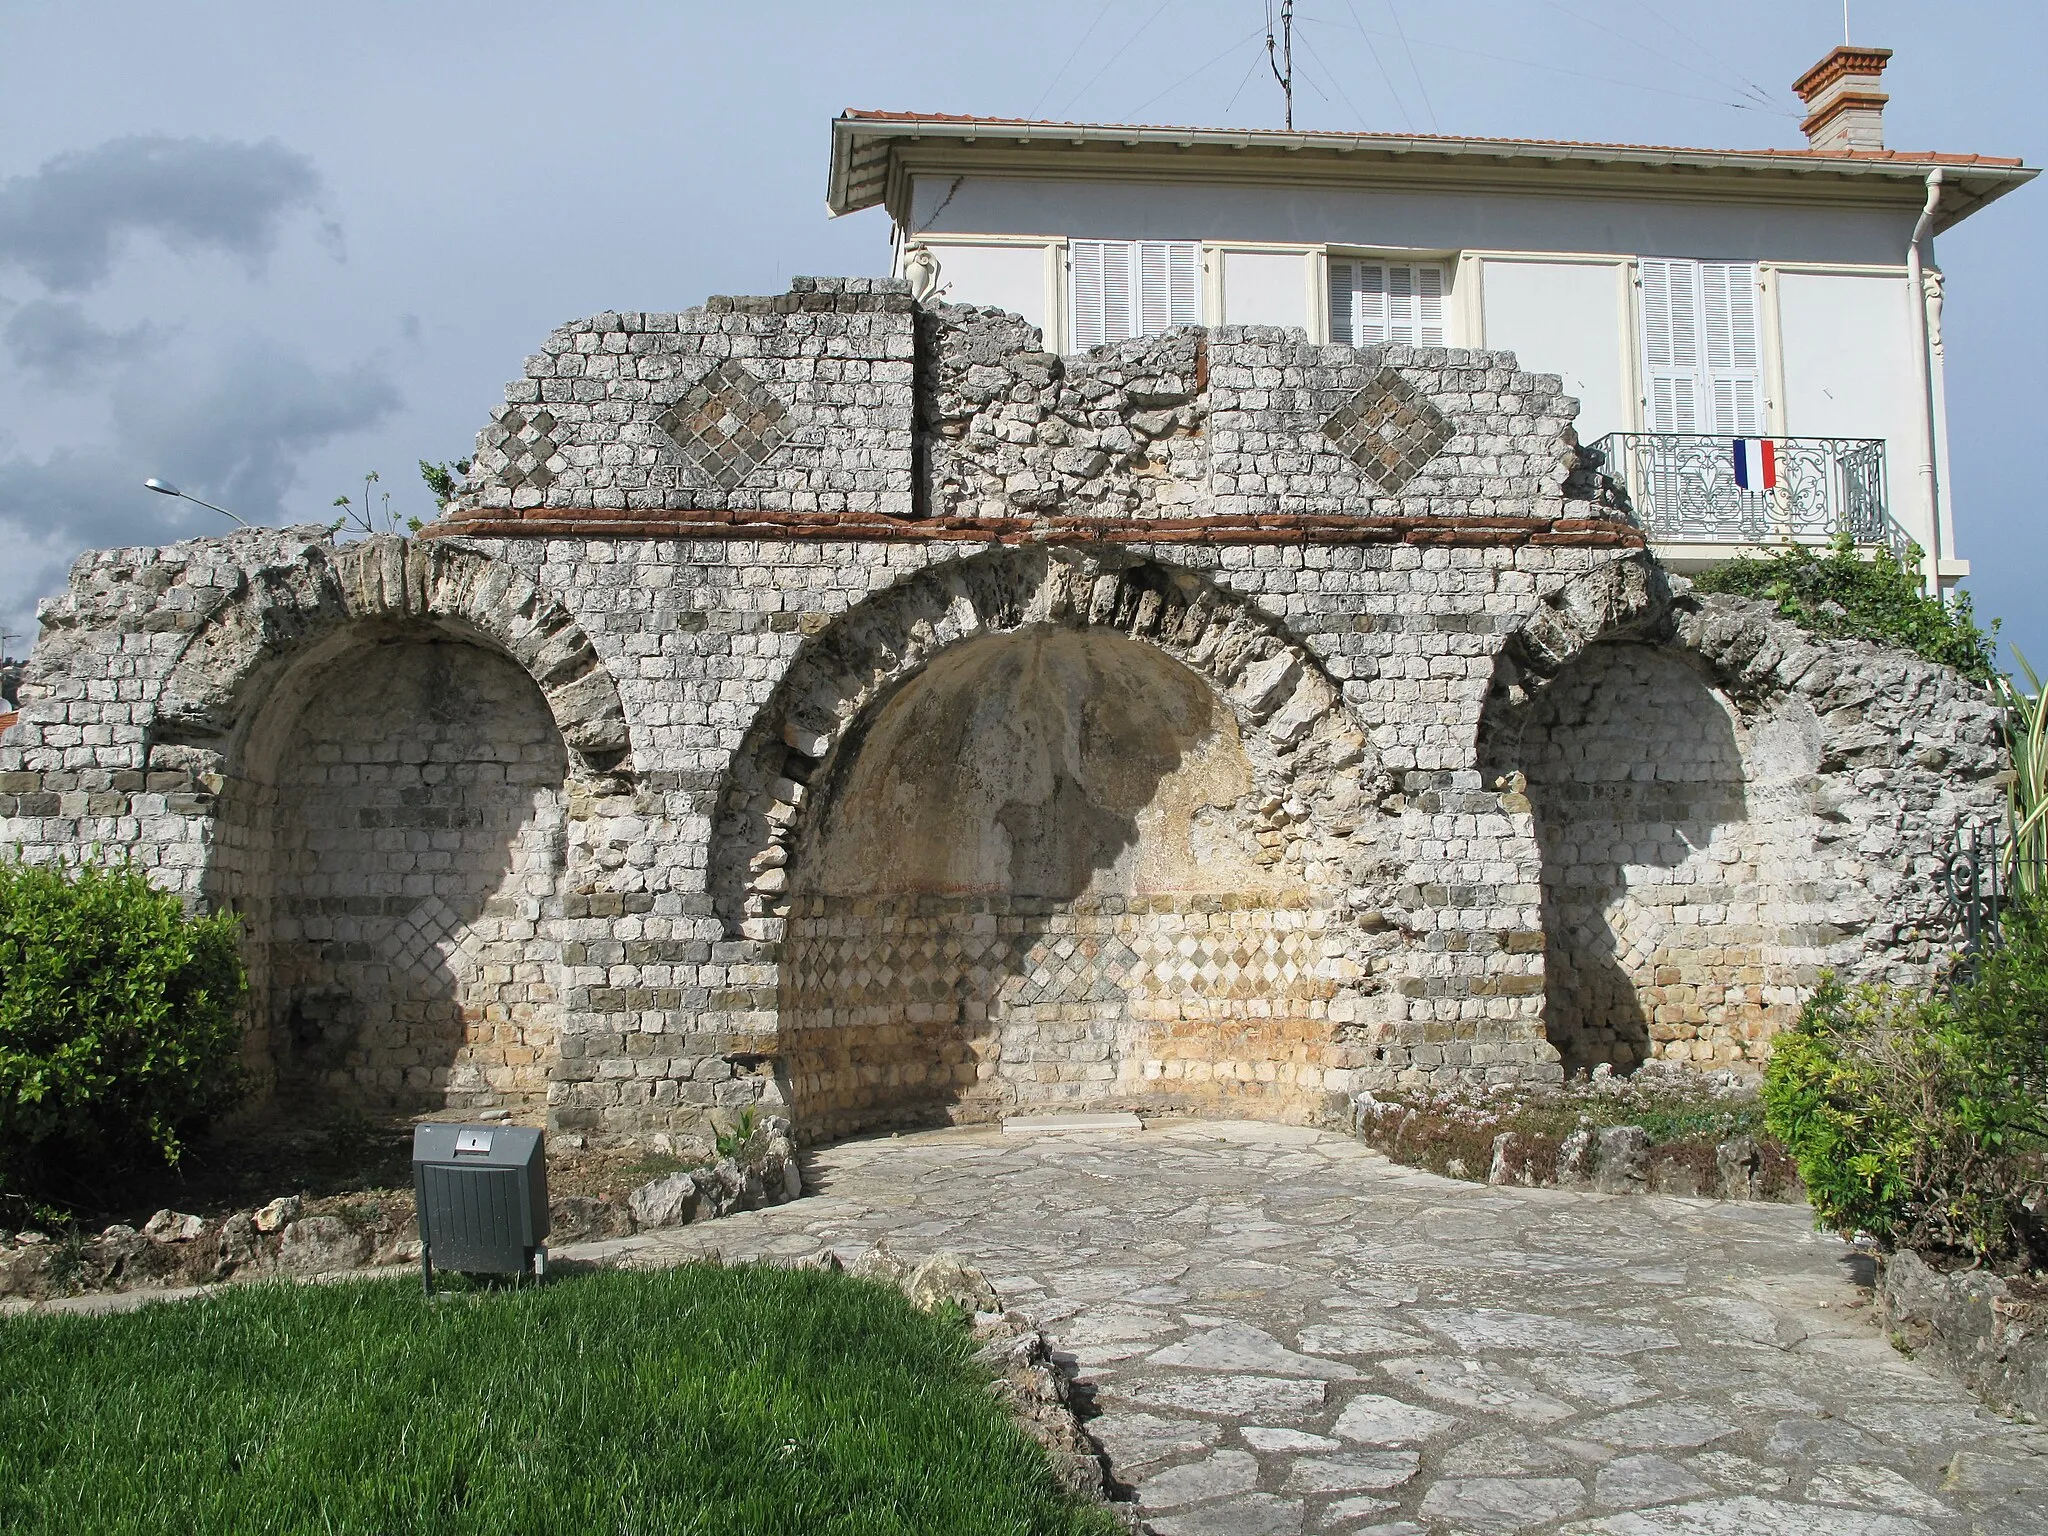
(394, 728)
(394, 836)
(1042, 873)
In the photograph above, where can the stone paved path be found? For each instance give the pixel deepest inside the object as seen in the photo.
(1282, 1331)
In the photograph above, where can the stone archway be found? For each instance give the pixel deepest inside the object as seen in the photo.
(1049, 830)
(1668, 781)
(397, 730)
(233, 662)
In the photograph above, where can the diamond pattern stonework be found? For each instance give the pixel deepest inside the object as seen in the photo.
(527, 442)
(727, 426)
(1389, 430)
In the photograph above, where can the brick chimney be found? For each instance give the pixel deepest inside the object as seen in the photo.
(1844, 107)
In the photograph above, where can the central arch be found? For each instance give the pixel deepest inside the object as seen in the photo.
(1047, 830)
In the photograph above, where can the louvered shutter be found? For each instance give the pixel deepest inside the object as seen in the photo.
(1184, 281)
(1084, 290)
(1372, 302)
(1343, 297)
(1169, 285)
(1415, 306)
(1155, 287)
(1118, 298)
(1099, 291)
(1671, 347)
(1369, 305)
(1124, 288)
(1733, 372)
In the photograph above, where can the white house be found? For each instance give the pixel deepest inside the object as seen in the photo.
(1688, 297)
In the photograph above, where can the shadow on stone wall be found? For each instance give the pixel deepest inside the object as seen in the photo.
(397, 819)
(1650, 885)
(1027, 866)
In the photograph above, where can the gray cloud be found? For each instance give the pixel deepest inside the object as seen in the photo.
(64, 222)
(56, 339)
(232, 428)
(240, 424)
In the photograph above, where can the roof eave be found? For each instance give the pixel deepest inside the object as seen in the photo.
(1978, 183)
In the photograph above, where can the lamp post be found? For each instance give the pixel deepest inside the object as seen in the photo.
(165, 488)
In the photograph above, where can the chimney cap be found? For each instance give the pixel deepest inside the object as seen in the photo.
(1847, 59)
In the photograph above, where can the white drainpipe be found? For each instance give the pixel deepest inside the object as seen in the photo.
(1916, 298)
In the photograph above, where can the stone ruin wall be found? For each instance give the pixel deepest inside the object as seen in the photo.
(827, 699)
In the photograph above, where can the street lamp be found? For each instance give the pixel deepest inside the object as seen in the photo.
(165, 488)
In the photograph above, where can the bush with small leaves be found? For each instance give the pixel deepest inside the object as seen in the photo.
(1923, 1119)
(118, 1029)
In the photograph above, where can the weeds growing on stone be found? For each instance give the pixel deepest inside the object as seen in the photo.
(700, 1399)
(1842, 594)
(1452, 1131)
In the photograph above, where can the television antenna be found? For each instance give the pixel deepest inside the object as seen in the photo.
(1283, 66)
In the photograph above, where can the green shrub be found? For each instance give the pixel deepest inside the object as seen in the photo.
(1841, 595)
(1922, 1119)
(118, 1036)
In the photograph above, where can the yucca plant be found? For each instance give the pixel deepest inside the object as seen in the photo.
(2026, 736)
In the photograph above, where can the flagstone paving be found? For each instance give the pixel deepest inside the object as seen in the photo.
(1278, 1330)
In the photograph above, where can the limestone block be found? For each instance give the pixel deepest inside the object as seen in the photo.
(1621, 1161)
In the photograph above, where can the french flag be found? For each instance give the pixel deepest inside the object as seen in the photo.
(1756, 464)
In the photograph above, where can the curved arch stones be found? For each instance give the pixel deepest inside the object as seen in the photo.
(237, 655)
(1289, 708)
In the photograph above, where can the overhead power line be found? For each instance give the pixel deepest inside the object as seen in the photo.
(1421, 89)
(1407, 117)
(1576, 74)
(1046, 94)
(1073, 100)
(1203, 69)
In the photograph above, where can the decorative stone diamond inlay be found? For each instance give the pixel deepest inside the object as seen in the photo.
(727, 425)
(1389, 430)
(527, 442)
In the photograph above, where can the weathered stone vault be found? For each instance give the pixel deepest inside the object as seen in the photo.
(824, 698)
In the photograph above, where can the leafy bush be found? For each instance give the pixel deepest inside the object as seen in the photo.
(1841, 595)
(118, 1035)
(1923, 1119)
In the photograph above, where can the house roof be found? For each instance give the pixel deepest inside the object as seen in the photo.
(871, 150)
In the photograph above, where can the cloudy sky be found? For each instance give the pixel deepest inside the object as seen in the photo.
(262, 249)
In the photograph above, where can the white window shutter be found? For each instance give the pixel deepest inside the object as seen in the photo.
(1371, 314)
(1084, 287)
(1373, 302)
(1155, 287)
(1119, 299)
(1429, 306)
(1400, 288)
(1124, 288)
(1344, 303)
(1184, 279)
(1169, 285)
(1671, 350)
(1734, 348)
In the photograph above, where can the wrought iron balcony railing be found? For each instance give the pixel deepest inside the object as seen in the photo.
(1682, 489)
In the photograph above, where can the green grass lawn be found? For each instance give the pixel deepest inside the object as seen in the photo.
(700, 1399)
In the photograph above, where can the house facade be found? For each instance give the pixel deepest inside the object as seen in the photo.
(1687, 298)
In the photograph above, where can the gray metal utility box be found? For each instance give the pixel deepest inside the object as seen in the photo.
(481, 1192)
